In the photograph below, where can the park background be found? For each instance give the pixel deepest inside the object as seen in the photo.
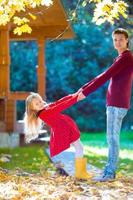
(70, 64)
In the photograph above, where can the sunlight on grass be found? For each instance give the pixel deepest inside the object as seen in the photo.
(103, 152)
(96, 150)
(126, 153)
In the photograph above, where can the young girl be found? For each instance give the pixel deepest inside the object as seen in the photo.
(64, 130)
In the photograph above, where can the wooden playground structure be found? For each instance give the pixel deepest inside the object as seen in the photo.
(48, 25)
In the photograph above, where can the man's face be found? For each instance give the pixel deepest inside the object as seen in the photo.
(120, 42)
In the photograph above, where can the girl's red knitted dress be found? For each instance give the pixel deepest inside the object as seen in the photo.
(64, 130)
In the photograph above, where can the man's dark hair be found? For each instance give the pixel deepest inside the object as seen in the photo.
(121, 31)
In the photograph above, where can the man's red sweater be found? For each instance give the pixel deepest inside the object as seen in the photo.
(120, 74)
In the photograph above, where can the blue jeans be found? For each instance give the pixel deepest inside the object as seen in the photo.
(115, 116)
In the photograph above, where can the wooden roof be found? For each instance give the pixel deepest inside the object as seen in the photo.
(50, 23)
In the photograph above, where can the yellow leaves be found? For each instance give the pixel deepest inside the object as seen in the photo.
(19, 21)
(4, 176)
(4, 19)
(23, 29)
(37, 2)
(41, 2)
(1, 12)
(32, 16)
(94, 191)
(10, 9)
(107, 10)
(46, 2)
(34, 186)
(122, 8)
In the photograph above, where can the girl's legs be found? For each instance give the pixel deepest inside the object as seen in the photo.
(80, 162)
(78, 149)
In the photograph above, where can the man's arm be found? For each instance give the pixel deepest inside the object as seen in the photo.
(115, 68)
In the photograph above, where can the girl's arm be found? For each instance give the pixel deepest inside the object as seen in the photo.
(63, 99)
(60, 106)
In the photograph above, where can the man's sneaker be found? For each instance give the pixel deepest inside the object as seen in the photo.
(105, 178)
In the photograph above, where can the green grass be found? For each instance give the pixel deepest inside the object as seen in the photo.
(96, 150)
(29, 158)
(32, 158)
(99, 139)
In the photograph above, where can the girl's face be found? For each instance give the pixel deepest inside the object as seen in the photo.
(38, 103)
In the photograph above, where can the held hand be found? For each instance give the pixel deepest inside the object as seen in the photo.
(80, 90)
(81, 96)
(76, 93)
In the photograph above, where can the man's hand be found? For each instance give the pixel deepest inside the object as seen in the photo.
(81, 96)
(80, 90)
(77, 93)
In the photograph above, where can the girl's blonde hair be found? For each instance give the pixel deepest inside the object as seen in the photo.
(32, 124)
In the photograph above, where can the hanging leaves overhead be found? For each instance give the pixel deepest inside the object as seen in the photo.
(105, 10)
(9, 10)
(109, 11)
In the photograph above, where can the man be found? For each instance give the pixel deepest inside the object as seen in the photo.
(120, 74)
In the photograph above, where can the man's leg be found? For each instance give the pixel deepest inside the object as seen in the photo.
(115, 116)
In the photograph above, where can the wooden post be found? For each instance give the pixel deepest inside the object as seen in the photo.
(4, 62)
(2, 115)
(41, 68)
(8, 110)
(10, 115)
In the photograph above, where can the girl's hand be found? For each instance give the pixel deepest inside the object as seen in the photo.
(77, 93)
(81, 96)
(80, 90)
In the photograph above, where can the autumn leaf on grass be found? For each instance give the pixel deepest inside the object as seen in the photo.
(18, 197)
(26, 155)
(94, 191)
(4, 177)
(44, 173)
(120, 174)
